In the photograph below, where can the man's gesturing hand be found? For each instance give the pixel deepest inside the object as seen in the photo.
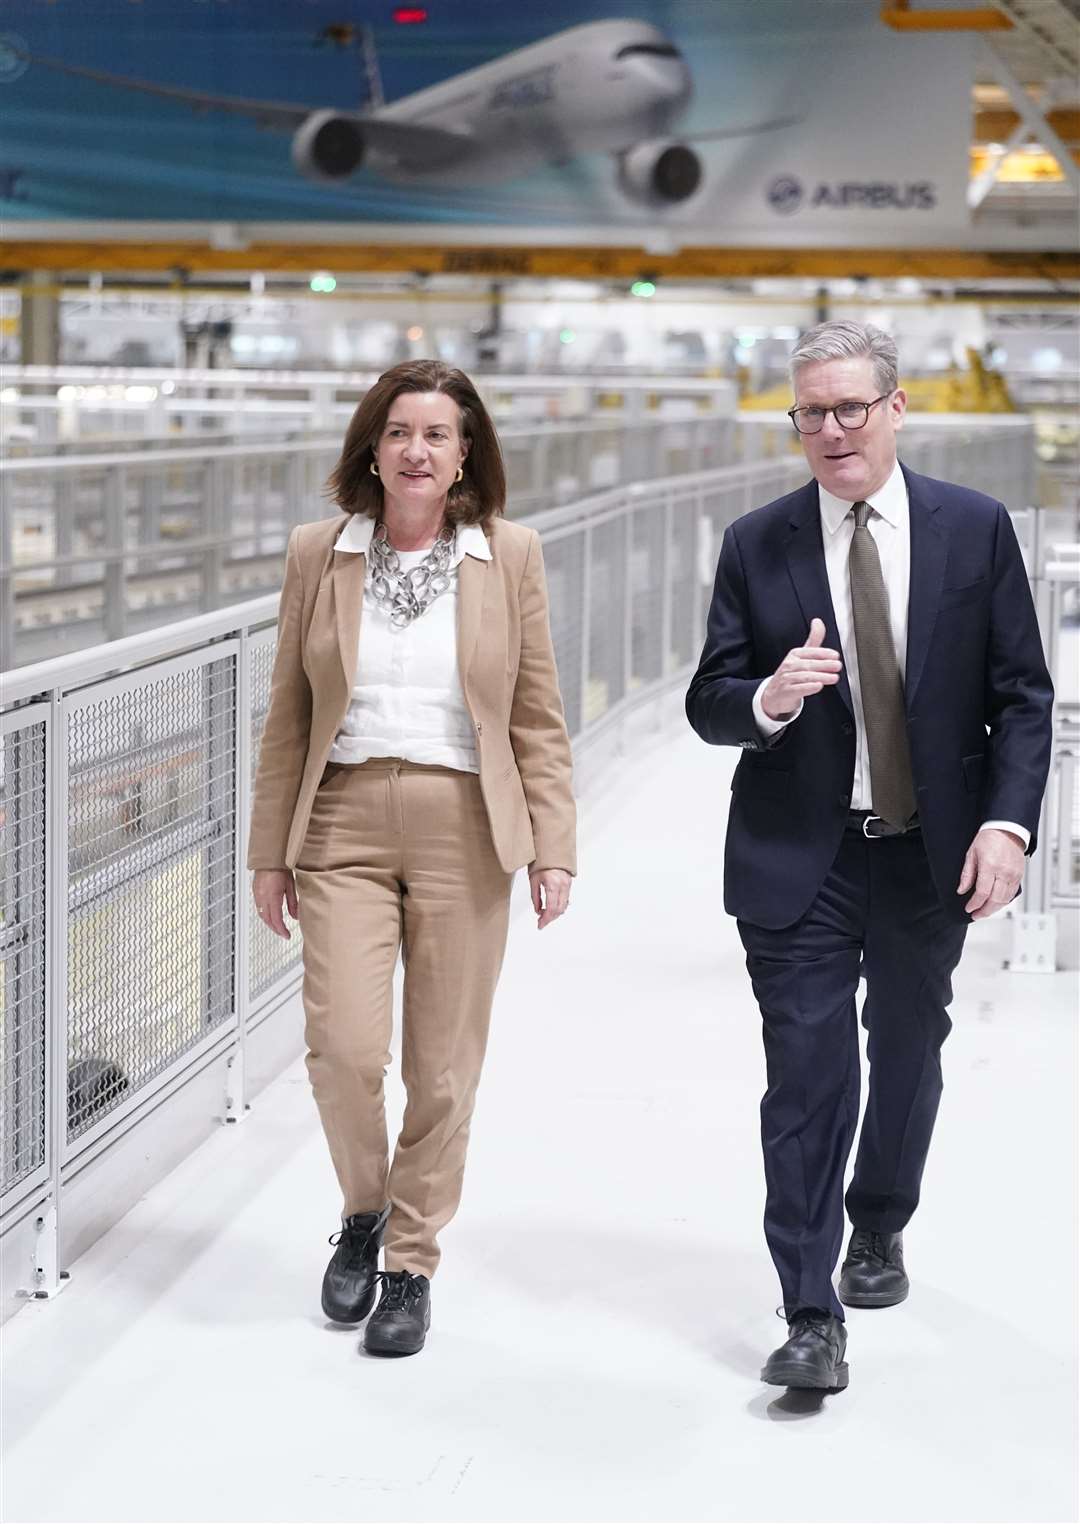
(805, 669)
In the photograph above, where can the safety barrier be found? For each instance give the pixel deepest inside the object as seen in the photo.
(136, 987)
(140, 1002)
(70, 402)
(100, 545)
(1052, 883)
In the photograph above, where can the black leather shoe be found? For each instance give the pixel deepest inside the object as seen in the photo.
(348, 1288)
(813, 1356)
(873, 1274)
(399, 1324)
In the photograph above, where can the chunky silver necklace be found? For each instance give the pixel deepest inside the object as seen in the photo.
(405, 595)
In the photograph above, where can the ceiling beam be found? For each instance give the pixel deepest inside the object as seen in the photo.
(983, 184)
(995, 124)
(901, 18)
(1058, 43)
(1037, 124)
(515, 261)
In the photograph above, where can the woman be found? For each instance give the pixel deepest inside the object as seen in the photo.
(414, 756)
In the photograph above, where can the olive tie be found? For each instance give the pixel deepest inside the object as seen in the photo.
(891, 785)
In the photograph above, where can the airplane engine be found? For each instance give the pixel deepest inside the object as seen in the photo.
(659, 174)
(328, 146)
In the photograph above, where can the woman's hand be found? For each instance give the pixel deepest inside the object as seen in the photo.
(550, 889)
(270, 886)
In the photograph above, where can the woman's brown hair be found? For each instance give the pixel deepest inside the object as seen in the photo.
(476, 499)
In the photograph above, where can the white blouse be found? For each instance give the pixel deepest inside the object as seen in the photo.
(407, 699)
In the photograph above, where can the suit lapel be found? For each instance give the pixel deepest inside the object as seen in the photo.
(348, 575)
(929, 550)
(472, 582)
(806, 563)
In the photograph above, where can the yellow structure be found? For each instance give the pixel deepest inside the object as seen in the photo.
(974, 390)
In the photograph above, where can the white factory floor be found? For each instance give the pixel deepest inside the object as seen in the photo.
(605, 1299)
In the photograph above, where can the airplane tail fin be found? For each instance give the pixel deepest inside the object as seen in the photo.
(372, 97)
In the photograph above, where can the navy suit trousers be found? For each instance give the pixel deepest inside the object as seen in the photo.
(879, 915)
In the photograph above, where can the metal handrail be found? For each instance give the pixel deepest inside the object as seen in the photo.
(67, 672)
(136, 458)
(615, 655)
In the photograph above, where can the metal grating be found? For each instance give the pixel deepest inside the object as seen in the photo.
(1045, 45)
(685, 632)
(22, 955)
(151, 830)
(564, 566)
(647, 563)
(607, 618)
(269, 957)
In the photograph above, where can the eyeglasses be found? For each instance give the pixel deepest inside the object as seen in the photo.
(849, 415)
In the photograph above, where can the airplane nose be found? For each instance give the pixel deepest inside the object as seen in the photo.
(667, 79)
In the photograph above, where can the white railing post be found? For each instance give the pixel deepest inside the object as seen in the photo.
(115, 610)
(46, 1279)
(237, 1105)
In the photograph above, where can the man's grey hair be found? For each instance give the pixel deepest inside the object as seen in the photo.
(842, 339)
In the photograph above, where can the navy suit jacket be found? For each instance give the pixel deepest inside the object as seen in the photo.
(977, 693)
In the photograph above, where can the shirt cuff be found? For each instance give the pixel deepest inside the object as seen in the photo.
(1008, 825)
(769, 727)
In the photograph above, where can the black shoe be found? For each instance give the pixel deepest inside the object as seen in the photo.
(813, 1356)
(400, 1323)
(873, 1274)
(348, 1288)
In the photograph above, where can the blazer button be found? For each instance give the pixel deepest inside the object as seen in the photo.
(845, 800)
(847, 729)
(479, 728)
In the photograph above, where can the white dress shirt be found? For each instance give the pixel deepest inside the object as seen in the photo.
(407, 700)
(889, 525)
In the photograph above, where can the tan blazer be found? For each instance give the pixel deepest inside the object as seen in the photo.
(508, 675)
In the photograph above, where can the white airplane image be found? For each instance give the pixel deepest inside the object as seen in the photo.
(613, 87)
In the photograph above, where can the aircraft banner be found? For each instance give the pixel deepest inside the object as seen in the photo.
(773, 122)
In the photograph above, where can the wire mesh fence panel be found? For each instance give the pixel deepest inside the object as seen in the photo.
(685, 635)
(719, 506)
(565, 567)
(22, 955)
(606, 677)
(270, 958)
(647, 555)
(151, 889)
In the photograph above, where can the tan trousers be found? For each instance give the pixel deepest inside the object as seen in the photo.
(399, 855)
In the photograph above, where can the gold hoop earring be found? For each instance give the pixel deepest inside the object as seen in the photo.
(373, 468)
(460, 474)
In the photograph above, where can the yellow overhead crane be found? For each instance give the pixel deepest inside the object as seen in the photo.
(978, 389)
(191, 257)
(899, 15)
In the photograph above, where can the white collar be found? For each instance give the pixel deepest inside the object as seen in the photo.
(890, 500)
(469, 539)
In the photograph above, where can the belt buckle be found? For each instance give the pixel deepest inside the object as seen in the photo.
(871, 835)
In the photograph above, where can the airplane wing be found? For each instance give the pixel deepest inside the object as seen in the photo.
(436, 145)
(741, 132)
(282, 115)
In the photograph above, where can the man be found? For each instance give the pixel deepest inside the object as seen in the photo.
(872, 644)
